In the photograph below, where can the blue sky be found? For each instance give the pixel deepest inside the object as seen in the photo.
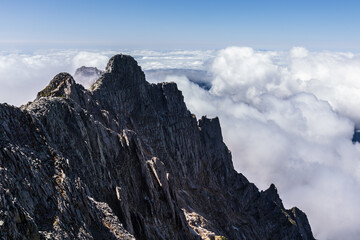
(158, 24)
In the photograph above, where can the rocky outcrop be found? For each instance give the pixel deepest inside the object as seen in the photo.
(126, 160)
(356, 136)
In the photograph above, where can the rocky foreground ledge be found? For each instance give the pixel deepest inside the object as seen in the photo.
(127, 160)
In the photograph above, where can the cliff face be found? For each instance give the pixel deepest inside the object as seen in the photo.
(126, 160)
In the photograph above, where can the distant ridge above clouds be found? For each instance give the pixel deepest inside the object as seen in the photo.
(87, 75)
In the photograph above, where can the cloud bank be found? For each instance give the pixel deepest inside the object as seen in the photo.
(245, 74)
(22, 75)
(287, 116)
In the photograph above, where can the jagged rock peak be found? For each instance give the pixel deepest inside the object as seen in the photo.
(121, 71)
(272, 194)
(212, 125)
(121, 63)
(59, 86)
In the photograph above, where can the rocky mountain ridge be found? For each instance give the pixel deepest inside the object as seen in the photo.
(127, 160)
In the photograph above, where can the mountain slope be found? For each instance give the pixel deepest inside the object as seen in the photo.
(126, 160)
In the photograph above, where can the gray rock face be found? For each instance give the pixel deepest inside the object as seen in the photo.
(126, 160)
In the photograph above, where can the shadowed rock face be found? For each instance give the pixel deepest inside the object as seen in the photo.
(126, 160)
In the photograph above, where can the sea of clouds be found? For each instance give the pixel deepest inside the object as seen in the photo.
(287, 116)
(22, 75)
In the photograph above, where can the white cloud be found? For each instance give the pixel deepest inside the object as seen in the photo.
(90, 59)
(23, 75)
(299, 52)
(299, 143)
(172, 59)
(245, 74)
(287, 117)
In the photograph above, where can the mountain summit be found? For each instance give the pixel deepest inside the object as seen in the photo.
(127, 160)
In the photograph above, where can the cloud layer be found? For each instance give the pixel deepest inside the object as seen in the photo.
(22, 75)
(288, 117)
